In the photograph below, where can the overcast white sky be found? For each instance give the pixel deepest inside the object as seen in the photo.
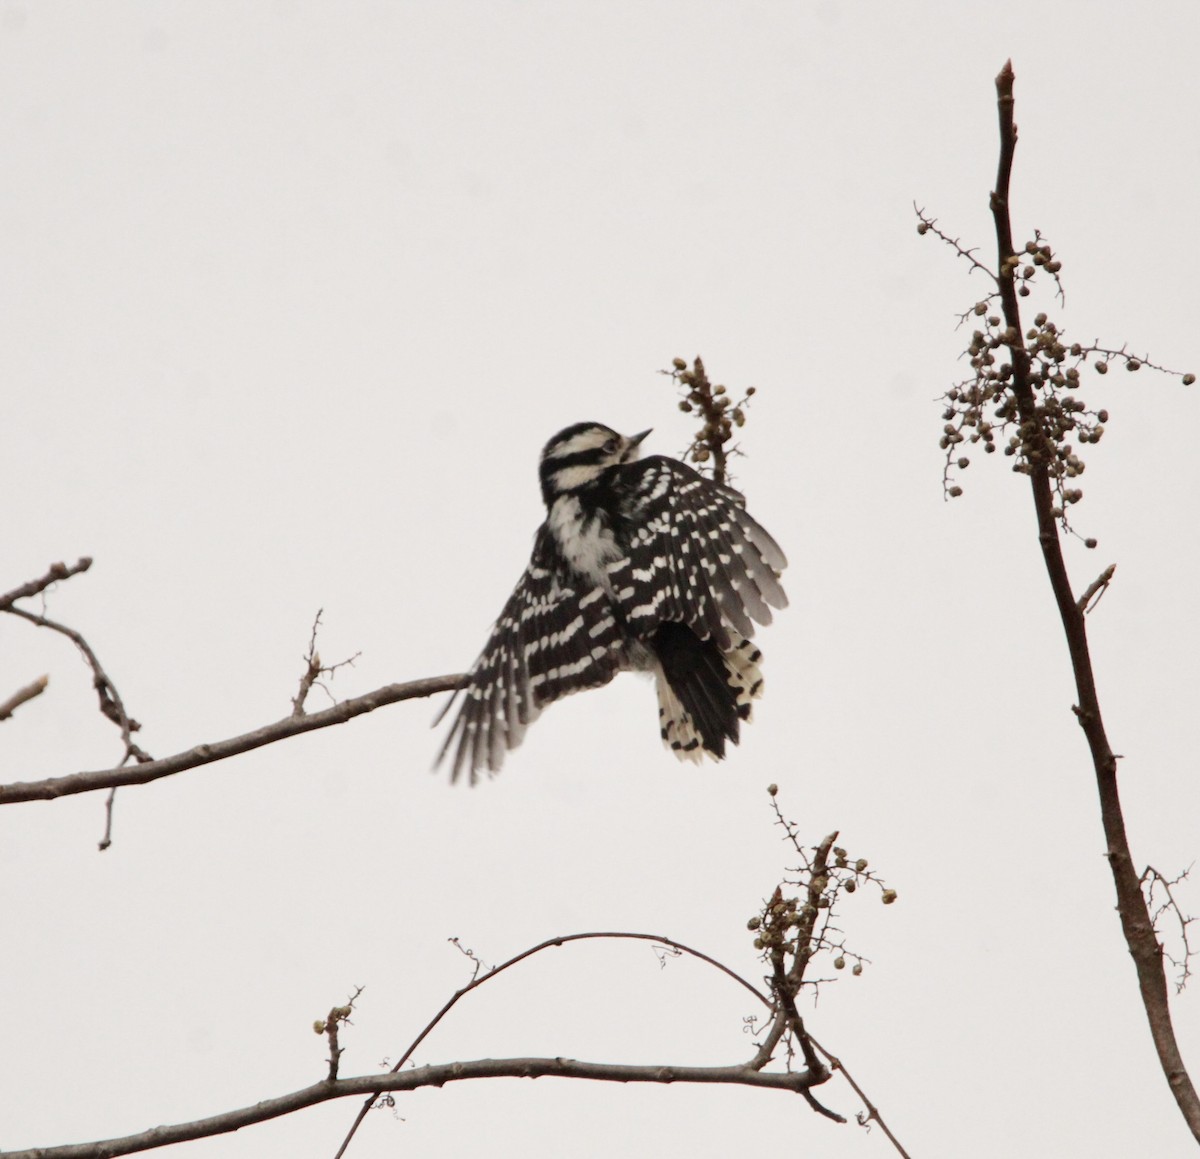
(293, 294)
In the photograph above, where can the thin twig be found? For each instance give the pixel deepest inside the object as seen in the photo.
(872, 1115)
(1184, 964)
(931, 226)
(111, 705)
(23, 696)
(205, 754)
(109, 802)
(329, 1026)
(312, 668)
(1099, 584)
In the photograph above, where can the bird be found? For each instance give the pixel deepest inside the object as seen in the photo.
(641, 564)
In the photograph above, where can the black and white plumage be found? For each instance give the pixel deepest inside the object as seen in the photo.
(641, 564)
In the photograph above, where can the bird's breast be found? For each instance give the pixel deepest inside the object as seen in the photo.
(585, 539)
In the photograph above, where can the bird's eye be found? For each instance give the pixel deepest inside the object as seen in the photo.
(611, 446)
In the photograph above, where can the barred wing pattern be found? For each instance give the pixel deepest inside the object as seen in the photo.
(695, 556)
(553, 637)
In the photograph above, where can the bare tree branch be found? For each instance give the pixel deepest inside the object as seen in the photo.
(56, 572)
(409, 1080)
(399, 1079)
(23, 695)
(205, 754)
(1131, 904)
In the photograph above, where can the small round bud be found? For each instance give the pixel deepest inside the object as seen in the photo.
(963, 463)
(1040, 319)
(1101, 367)
(851, 886)
(751, 391)
(889, 896)
(1102, 416)
(857, 969)
(980, 309)
(954, 492)
(1188, 379)
(1031, 247)
(1133, 364)
(319, 1026)
(1053, 267)
(923, 228)
(839, 963)
(860, 864)
(679, 364)
(1023, 292)
(685, 406)
(1089, 542)
(759, 943)
(772, 788)
(754, 923)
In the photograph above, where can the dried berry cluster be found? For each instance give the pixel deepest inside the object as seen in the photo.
(984, 407)
(793, 930)
(1023, 391)
(710, 449)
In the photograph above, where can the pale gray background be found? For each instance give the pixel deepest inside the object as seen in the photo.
(291, 296)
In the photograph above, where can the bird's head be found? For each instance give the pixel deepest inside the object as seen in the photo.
(580, 455)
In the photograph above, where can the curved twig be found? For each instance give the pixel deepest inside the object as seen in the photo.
(549, 943)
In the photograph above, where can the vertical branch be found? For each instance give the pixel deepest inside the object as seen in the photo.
(1136, 923)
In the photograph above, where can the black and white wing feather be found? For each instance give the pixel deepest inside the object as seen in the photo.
(555, 636)
(694, 556)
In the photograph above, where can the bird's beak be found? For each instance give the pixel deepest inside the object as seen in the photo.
(633, 440)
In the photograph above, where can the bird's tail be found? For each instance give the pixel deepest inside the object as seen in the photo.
(704, 693)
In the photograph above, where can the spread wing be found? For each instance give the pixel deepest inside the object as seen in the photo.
(695, 556)
(555, 636)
